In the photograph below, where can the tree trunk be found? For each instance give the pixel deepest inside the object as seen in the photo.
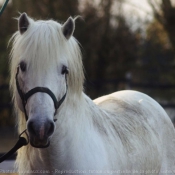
(166, 16)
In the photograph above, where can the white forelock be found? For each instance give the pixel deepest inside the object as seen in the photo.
(43, 45)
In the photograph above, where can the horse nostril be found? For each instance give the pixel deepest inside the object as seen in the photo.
(50, 128)
(31, 128)
(40, 130)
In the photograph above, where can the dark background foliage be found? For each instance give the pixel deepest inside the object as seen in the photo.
(115, 56)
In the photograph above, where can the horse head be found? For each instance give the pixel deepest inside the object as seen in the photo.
(40, 52)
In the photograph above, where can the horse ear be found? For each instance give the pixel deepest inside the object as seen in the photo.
(68, 28)
(23, 23)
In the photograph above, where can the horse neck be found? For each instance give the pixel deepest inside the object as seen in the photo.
(78, 117)
(76, 111)
(81, 109)
(76, 130)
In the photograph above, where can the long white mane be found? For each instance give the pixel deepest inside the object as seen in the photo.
(48, 35)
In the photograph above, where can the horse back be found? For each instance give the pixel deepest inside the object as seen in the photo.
(144, 129)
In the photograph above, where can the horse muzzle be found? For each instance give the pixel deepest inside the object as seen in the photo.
(40, 133)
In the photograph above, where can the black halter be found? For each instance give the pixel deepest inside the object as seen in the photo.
(25, 96)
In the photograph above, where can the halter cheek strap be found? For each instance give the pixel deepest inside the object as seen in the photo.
(25, 96)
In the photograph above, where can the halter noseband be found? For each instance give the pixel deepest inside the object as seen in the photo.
(25, 96)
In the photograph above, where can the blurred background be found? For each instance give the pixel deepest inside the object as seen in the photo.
(126, 44)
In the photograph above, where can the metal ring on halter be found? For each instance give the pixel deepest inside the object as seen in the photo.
(25, 131)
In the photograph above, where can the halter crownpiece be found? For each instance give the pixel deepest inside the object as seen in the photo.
(25, 96)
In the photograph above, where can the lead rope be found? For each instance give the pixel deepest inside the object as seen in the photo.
(3, 7)
(22, 141)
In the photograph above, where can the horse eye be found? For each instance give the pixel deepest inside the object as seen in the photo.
(64, 70)
(22, 66)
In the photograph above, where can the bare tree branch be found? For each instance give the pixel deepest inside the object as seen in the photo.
(156, 12)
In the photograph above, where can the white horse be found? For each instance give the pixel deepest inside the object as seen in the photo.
(126, 132)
